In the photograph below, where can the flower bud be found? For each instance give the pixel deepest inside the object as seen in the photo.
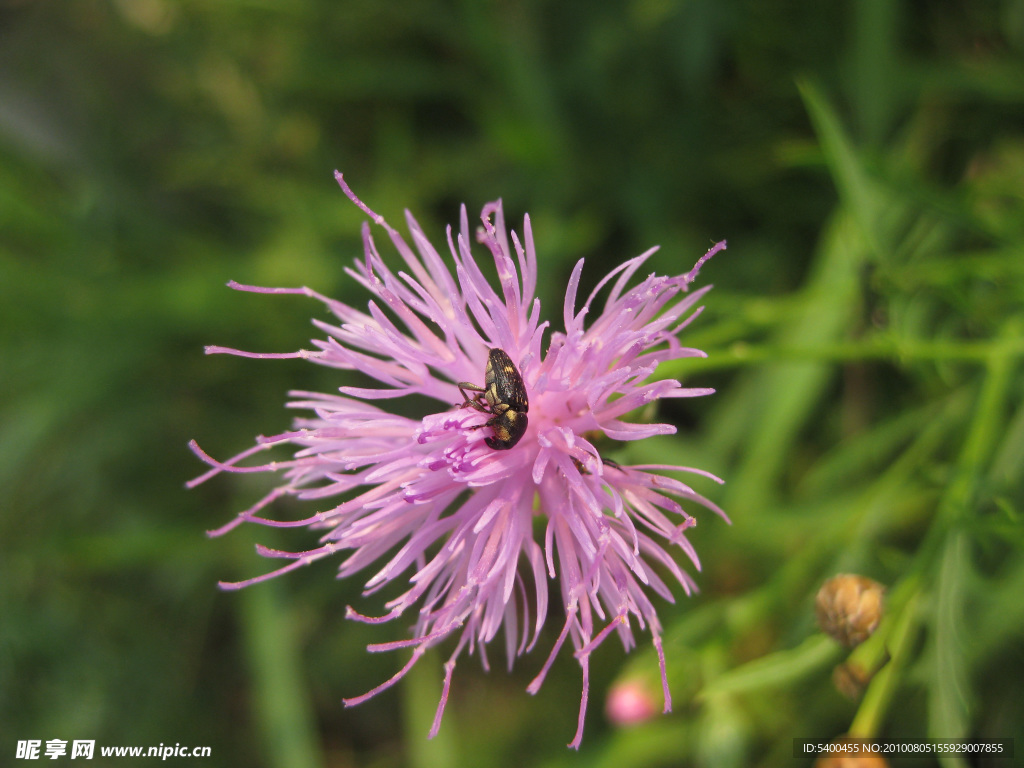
(851, 680)
(840, 759)
(849, 608)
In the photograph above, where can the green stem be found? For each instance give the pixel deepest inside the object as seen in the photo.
(873, 707)
(740, 355)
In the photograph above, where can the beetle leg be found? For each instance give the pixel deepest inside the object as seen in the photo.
(474, 401)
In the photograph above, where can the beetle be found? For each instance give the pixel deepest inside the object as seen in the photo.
(503, 396)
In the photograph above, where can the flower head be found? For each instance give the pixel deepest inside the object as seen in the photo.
(437, 502)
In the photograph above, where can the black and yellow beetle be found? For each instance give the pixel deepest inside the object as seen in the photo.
(503, 396)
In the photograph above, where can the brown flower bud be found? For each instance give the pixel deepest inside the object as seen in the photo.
(851, 680)
(839, 760)
(849, 608)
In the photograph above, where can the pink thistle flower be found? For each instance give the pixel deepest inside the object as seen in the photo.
(470, 559)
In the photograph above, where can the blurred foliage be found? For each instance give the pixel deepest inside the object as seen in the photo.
(864, 159)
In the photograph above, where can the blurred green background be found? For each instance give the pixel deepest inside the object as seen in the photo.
(865, 160)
